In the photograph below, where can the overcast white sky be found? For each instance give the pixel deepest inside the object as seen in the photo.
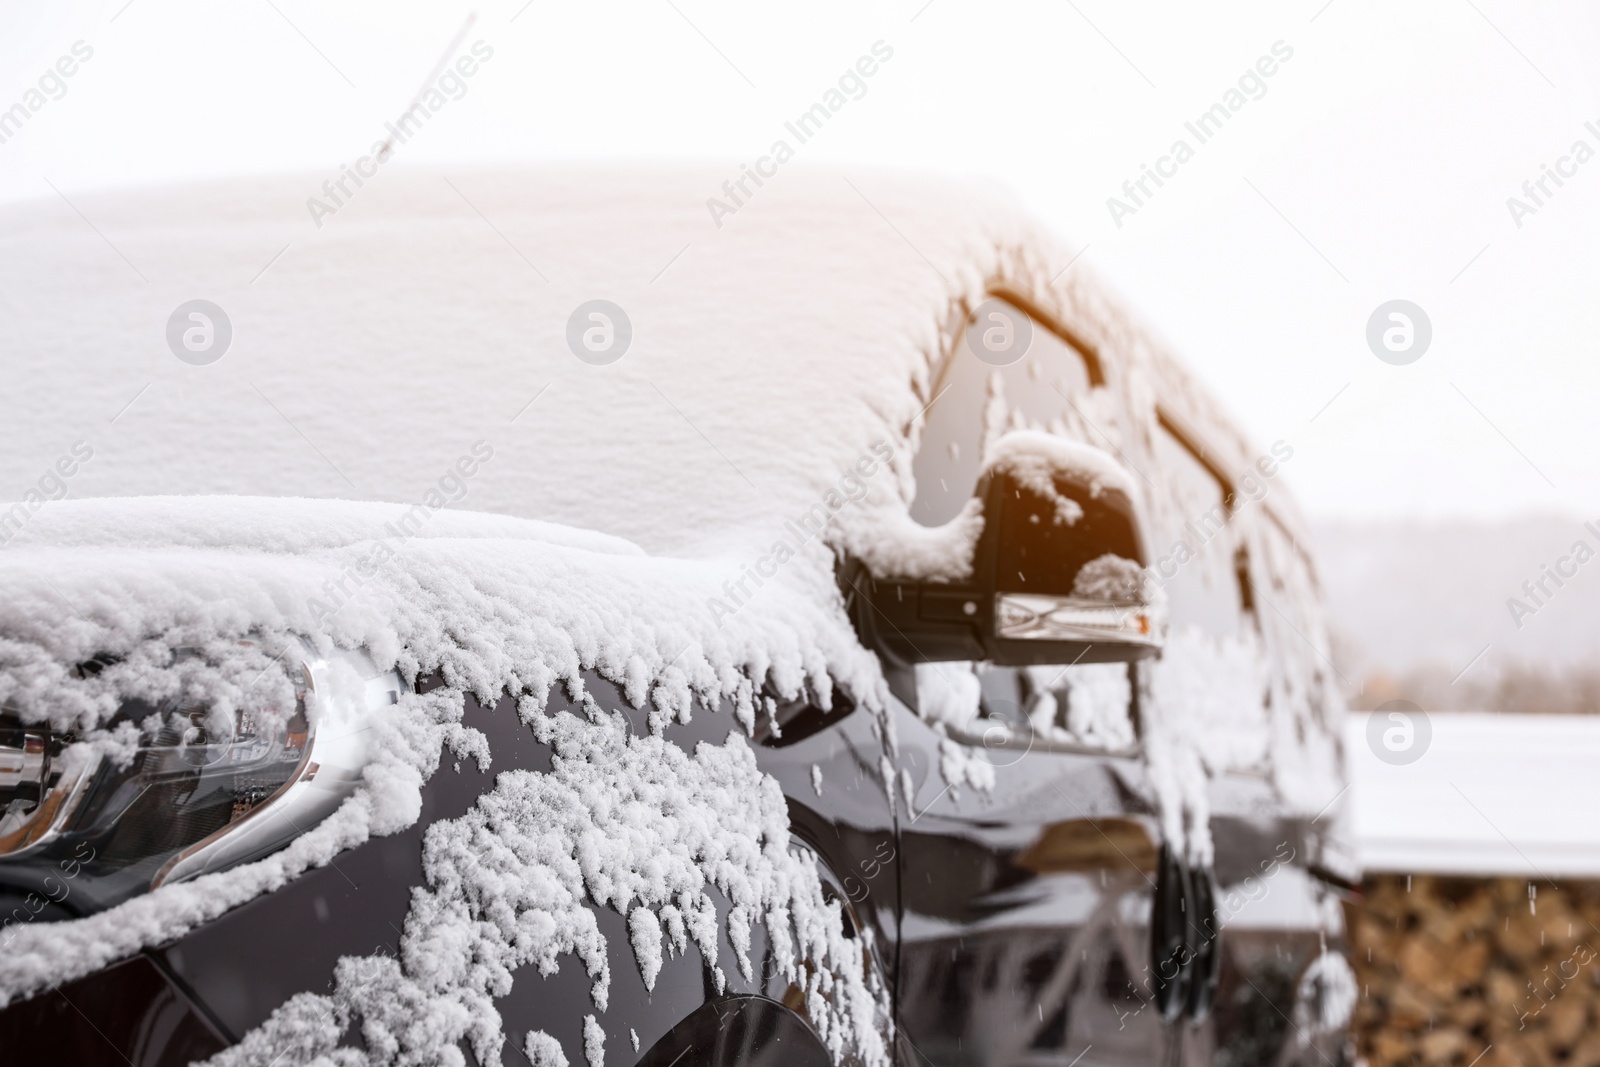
(1376, 166)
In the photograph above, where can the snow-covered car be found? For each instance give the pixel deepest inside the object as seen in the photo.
(524, 614)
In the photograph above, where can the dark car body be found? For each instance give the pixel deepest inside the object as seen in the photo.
(192, 998)
(1014, 926)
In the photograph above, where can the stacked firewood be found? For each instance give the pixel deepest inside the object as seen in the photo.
(1500, 972)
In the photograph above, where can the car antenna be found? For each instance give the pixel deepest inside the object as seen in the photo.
(427, 83)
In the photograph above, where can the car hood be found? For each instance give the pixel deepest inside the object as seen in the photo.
(497, 603)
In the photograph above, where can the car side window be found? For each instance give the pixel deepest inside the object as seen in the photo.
(1291, 627)
(1046, 375)
(1196, 554)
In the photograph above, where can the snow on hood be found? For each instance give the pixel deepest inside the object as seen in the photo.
(491, 603)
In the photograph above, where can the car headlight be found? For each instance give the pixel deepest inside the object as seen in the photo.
(86, 829)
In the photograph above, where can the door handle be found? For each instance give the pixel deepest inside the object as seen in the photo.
(1207, 952)
(1185, 958)
(1171, 954)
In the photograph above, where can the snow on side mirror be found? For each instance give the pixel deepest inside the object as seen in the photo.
(1056, 574)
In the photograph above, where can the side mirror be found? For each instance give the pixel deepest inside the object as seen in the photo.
(1056, 575)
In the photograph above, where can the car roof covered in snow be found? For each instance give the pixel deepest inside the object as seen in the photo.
(372, 348)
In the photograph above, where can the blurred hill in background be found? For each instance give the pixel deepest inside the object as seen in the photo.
(1420, 612)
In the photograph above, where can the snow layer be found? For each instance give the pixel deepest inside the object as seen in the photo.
(1207, 713)
(894, 545)
(406, 342)
(1084, 707)
(1326, 997)
(1034, 458)
(691, 444)
(948, 693)
(505, 605)
(1108, 577)
(633, 823)
(765, 359)
(493, 608)
(543, 1050)
(1491, 795)
(1097, 705)
(594, 1042)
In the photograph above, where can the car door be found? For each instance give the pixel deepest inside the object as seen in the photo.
(1237, 632)
(1029, 871)
(1028, 846)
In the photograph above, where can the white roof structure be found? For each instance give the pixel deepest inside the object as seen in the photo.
(1491, 795)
